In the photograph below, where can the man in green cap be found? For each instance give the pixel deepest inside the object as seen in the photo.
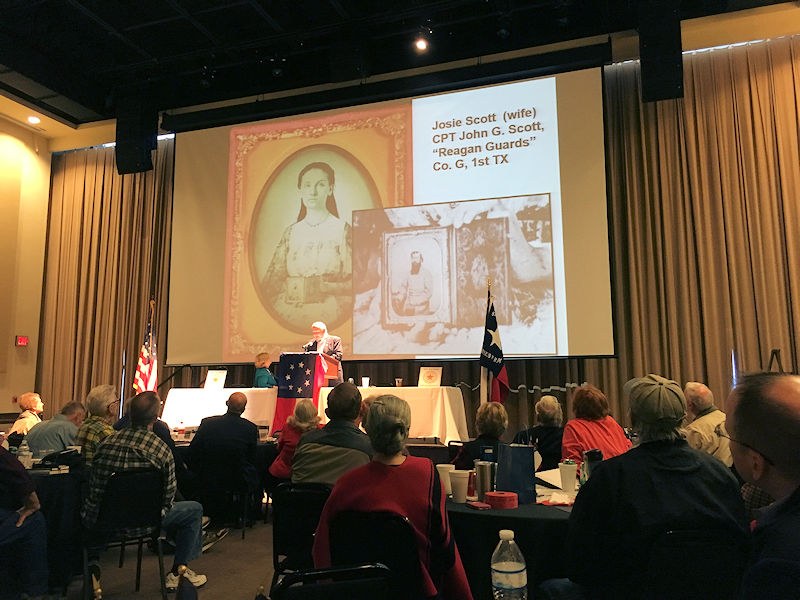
(660, 485)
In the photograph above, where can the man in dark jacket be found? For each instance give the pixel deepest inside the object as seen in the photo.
(223, 453)
(763, 425)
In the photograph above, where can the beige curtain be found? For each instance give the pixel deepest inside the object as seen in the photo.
(704, 209)
(107, 256)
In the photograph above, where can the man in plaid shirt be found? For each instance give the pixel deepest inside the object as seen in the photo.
(138, 447)
(103, 406)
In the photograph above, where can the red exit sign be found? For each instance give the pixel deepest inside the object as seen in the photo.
(21, 340)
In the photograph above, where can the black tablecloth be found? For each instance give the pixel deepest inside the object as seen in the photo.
(60, 497)
(539, 531)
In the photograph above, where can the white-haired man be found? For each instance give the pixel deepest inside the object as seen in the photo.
(764, 428)
(103, 406)
(701, 432)
(324, 343)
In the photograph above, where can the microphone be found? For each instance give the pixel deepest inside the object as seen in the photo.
(307, 345)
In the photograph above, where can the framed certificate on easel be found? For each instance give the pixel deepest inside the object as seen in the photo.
(430, 377)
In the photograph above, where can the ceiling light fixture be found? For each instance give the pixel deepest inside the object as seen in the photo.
(421, 44)
(34, 120)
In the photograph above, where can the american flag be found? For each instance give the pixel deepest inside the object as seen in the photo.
(146, 378)
(493, 367)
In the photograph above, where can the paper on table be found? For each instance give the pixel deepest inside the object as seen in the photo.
(551, 476)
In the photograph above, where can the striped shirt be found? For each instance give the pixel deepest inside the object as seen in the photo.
(132, 448)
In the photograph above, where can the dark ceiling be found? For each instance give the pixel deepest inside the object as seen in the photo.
(77, 59)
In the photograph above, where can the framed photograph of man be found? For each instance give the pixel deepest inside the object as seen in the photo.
(416, 288)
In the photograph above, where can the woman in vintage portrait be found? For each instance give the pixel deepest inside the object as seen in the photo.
(309, 277)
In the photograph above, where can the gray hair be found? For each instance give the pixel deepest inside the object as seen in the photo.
(100, 398)
(548, 412)
(71, 408)
(699, 395)
(652, 432)
(388, 423)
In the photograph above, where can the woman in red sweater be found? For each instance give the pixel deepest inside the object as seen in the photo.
(592, 427)
(304, 419)
(407, 485)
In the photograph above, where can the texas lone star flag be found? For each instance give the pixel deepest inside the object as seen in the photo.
(493, 368)
(300, 375)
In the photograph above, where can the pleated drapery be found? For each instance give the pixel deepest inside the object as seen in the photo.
(703, 204)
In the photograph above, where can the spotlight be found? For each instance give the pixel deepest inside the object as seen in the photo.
(421, 44)
(34, 120)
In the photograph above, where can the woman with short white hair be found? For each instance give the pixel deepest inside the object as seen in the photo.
(547, 433)
(406, 485)
(31, 407)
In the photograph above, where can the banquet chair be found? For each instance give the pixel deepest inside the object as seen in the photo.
(383, 537)
(715, 569)
(130, 512)
(296, 508)
(359, 582)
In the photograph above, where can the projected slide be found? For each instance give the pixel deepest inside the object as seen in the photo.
(386, 221)
(425, 270)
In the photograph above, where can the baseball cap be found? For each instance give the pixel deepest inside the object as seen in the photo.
(655, 399)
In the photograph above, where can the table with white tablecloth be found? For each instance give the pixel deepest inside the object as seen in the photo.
(435, 411)
(188, 406)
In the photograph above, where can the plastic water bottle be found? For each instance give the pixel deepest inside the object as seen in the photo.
(24, 454)
(509, 576)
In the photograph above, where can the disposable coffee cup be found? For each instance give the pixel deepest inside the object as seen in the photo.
(568, 476)
(398, 382)
(365, 382)
(444, 475)
(459, 480)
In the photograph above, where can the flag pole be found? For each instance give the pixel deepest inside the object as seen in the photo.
(486, 375)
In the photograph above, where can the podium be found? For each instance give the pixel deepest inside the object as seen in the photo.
(301, 375)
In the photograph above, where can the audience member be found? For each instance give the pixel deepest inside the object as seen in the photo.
(137, 447)
(546, 436)
(660, 485)
(405, 485)
(103, 406)
(305, 418)
(31, 407)
(701, 432)
(764, 426)
(187, 486)
(324, 455)
(592, 427)
(223, 454)
(23, 533)
(57, 433)
(491, 421)
(263, 377)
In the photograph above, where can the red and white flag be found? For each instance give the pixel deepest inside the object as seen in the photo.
(146, 378)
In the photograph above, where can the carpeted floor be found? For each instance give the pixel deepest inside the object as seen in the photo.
(234, 567)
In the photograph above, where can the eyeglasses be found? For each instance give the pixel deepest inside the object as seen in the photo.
(720, 431)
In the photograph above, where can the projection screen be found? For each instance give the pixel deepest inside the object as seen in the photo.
(386, 222)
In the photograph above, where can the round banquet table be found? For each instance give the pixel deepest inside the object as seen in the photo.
(539, 530)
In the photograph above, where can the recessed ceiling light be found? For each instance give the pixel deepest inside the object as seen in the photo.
(421, 44)
(33, 120)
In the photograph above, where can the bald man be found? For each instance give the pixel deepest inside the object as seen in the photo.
(223, 454)
(764, 427)
(701, 432)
